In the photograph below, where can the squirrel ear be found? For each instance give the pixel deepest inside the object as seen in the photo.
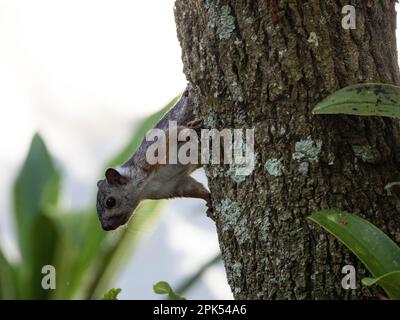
(114, 178)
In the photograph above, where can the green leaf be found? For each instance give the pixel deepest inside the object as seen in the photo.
(44, 237)
(164, 288)
(370, 99)
(389, 281)
(81, 242)
(8, 281)
(375, 249)
(36, 187)
(111, 294)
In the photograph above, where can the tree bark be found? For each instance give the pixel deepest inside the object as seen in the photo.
(264, 64)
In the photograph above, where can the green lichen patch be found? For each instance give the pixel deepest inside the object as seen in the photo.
(237, 268)
(274, 167)
(232, 220)
(307, 149)
(226, 24)
(210, 120)
(264, 226)
(220, 18)
(230, 211)
(232, 173)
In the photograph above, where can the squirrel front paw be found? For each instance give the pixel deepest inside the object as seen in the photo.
(210, 208)
(195, 124)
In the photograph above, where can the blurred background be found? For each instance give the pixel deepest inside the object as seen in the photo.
(87, 75)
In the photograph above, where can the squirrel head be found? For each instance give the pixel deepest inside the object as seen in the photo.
(116, 200)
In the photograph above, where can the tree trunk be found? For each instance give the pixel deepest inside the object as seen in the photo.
(264, 64)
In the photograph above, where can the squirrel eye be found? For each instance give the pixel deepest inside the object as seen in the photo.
(110, 202)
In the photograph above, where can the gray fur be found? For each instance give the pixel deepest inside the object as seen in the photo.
(155, 182)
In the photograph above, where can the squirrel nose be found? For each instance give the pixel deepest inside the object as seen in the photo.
(107, 227)
(113, 222)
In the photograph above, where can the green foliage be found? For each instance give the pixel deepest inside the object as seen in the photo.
(112, 294)
(35, 189)
(379, 254)
(8, 279)
(164, 288)
(389, 281)
(85, 257)
(369, 99)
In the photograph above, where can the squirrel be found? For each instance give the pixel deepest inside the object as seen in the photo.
(126, 186)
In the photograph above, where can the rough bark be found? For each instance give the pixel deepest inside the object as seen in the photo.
(253, 64)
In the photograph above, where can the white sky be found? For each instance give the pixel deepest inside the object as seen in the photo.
(82, 72)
